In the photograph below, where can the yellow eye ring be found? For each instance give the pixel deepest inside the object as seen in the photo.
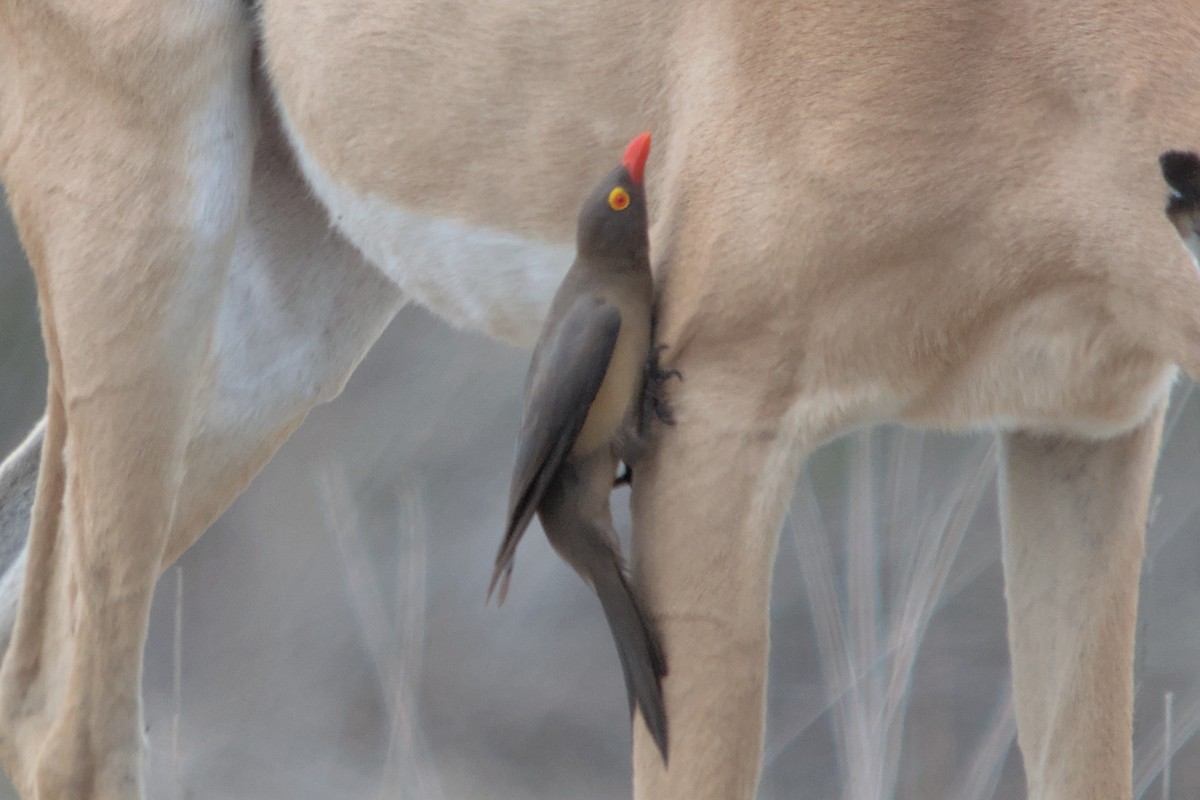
(618, 199)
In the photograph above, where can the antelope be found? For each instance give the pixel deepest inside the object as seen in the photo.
(946, 214)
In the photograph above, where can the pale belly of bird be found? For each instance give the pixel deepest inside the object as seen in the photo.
(621, 388)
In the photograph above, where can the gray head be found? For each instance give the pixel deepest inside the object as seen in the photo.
(612, 222)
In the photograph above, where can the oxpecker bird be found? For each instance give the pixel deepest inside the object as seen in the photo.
(583, 415)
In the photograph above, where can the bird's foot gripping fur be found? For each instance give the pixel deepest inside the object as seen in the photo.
(654, 406)
(654, 401)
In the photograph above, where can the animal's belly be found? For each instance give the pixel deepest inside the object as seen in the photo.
(451, 161)
(621, 387)
(484, 279)
(1083, 381)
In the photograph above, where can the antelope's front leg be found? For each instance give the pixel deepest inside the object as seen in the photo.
(127, 182)
(708, 506)
(1074, 526)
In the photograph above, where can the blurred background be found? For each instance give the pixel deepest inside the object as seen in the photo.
(328, 636)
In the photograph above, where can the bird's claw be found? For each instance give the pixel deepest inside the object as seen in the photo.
(653, 399)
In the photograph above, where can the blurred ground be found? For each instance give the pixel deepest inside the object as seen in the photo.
(328, 638)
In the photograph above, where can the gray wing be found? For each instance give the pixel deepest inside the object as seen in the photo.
(568, 367)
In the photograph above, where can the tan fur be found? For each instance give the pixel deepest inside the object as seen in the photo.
(945, 213)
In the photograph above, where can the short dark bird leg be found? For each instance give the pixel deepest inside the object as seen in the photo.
(654, 399)
(654, 405)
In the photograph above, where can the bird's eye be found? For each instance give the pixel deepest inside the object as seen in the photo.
(618, 199)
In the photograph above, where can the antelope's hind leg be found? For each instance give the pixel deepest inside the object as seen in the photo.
(127, 183)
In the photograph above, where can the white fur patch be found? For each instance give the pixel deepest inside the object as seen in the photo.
(219, 147)
(477, 278)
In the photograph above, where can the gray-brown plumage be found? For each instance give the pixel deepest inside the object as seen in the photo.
(583, 401)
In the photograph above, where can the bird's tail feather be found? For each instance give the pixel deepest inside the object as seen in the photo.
(641, 655)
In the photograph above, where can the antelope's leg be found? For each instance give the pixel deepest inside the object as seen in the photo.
(1074, 526)
(299, 311)
(127, 184)
(708, 504)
